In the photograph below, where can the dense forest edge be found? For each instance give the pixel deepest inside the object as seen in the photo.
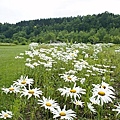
(100, 28)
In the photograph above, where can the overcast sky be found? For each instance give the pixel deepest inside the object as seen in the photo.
(13, 11)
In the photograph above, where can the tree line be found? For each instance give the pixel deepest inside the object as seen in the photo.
(100, 28)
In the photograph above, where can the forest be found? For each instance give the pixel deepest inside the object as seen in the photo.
(96, 28)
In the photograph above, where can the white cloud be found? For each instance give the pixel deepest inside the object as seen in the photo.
(13, 11)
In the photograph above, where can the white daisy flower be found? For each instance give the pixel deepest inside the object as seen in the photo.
(101, 95)
(23, 81)
(63, 114)
(107, 86)
(80, 65)
(31, 92)
(117, 108)
(72, 55)
(86, 55)
(6, 114)
(29, 65)
(11, 89)
(103, 85)
(78, 103)
(91, 107)
(92, 100)
(69, 78)
(35, 64)
(82, 80)
(71, 72)
(19, 57)
(74, 92)
(48, 103)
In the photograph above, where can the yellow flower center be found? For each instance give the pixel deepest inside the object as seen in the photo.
(62, 113)
(69, 78)
(77, 103)
(73, 54)
(11, 89)
(73, 91)
(101, 93)
(6, 115)
(31, 91)
(23, 82)
(103, 86)
(48, 104)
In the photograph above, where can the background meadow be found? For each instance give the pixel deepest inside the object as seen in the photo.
(55, 66)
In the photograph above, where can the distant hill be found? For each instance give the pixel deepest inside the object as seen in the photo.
(104, 27)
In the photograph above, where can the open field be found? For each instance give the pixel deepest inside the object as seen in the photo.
(83, 77)
(10, 68)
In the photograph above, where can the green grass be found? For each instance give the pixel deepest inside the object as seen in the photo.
(49, 81)
(10, 68)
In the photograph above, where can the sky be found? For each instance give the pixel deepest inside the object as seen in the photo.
(13, 11)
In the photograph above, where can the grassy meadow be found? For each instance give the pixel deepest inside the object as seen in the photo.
(10, 68)
(60, 81)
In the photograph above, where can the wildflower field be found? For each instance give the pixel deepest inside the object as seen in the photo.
(60, 81)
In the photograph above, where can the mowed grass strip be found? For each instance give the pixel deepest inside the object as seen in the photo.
(10, 68)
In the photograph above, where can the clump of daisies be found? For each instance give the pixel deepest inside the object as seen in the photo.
(55, 109)
(23, 86)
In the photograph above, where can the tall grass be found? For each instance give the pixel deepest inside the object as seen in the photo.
(53, 61)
